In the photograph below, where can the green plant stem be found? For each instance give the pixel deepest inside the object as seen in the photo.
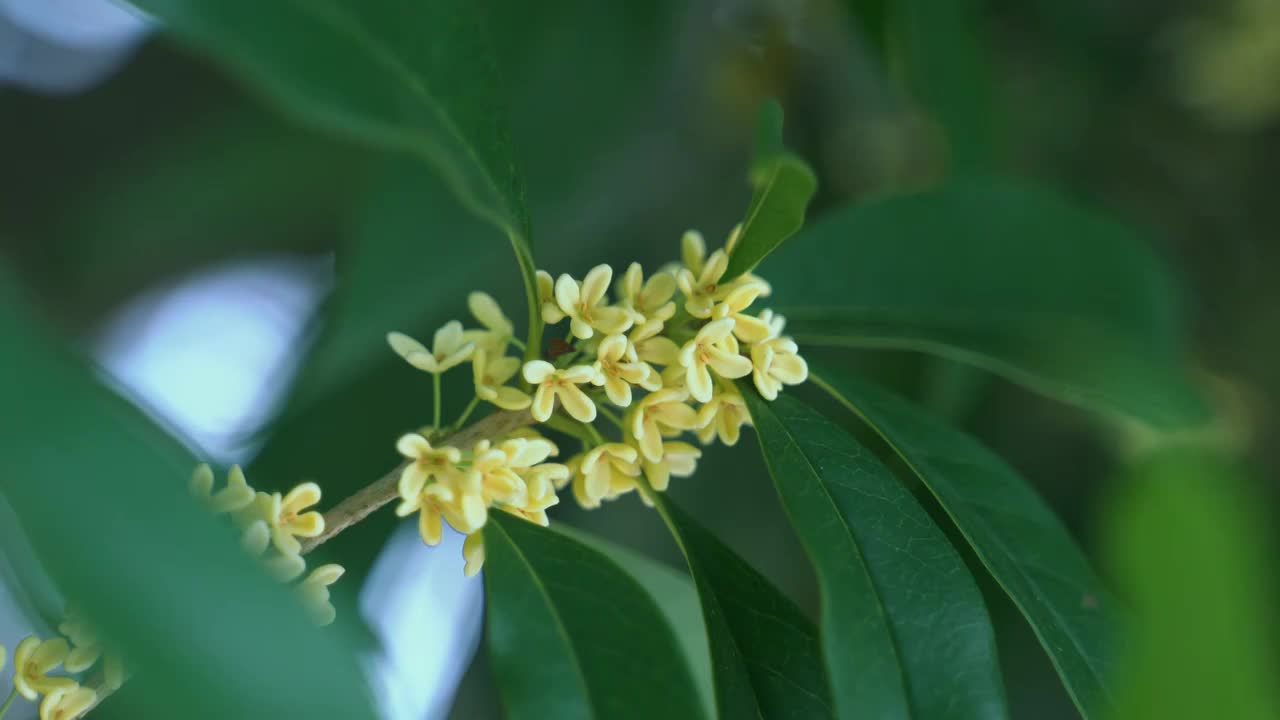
(518, 343)
(466, 413)
(595, 434)
(8, 701)
(570, 427)
(610, 416)
(435, 400)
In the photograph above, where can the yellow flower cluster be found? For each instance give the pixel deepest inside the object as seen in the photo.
(270, 525)
(33, 661)
(668, 362)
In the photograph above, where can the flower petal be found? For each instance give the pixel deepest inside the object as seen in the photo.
(596, 284)
(448, 338)
(403, 345)
(538, 371)
(576, 403)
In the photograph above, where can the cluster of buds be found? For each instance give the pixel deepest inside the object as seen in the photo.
(270, 525)
(668, 363)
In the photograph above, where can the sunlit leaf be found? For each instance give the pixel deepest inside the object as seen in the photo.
(1011, 530)
(572, 635)
(102, 494)
(900, 611)
(765, 658)
(1003, 276)
(1189, 542)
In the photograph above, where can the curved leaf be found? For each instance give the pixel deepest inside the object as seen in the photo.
(900, 609)
(783, 186)
(765, 656)
(419, 78)
(1003, 276)
(573, 636)
(102, 495)
(1013, 532)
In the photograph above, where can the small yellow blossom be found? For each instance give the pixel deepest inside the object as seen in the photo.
(541, 481)
(85, 647)
(647, 300)
(775, 363)
(236, 496)
(284, 568)
(693, 251)
(678, 458)
(314, 593)
(67, 703)
(33, 660)
(606, 472)
(449, 349)
(703, 289)
(650, 346)
(285, 517)
(498, 330)
(724, 416)
(660, 413)
(551, 313)
(427, 462)
(526, 451)
(710, 349)
(562, 384)
(583, 304)
(473, 554)
(490, 378)
(491, 470)
(615, 373)
(747, 328)
(775, 322)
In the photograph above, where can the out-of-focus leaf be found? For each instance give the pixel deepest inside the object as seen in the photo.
(1189, 542)
(573, 636)
(420, 79)
(936, 47)
(900, 613)
(1011, 530)
(1003, 276)
(676, 597)
(102, 493)
(765, 656)
(783, 186)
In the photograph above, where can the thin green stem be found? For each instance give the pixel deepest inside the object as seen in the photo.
(435, 400)
(610, 416)
(569, 427)
(466, 412)
(595, 434)
(8, 701)
(518, 343)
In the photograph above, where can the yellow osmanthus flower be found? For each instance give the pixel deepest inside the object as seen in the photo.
(583, 303)
(723, 416)
(647, 300)
(774, 321)
(314, 593)
(85, 647)
(551, 312)
(434, 486)
(491, 470)
(33, 660)
(67, 703)
(703, 289)
(606, 472)
(287, 518)
(498, 330)
(449, 349)
(616, 373)
(426, 463)
(652, 347)
(693, 251)
(562, 384)
(712, 348)
(658, 414)
(541, 481)
(473, 554)
(747, 328)
(679, 459)
(236, 496)
(775, 363)
(490, 377)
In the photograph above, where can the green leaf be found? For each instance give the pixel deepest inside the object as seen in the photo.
(1011, 530)
(1190, 541)
(102, 494)
(901, 613)
(783, 186)
(765, 655)
(419, 79)
(573, 636)
(1002, 276)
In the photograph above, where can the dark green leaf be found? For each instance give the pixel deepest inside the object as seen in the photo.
(1012, 531)
(1190, 543)
(901, 614)
(783, 186)
(420, 79)
(102, 495)
(1003, 276)
(765, 656)
(573, 636)
(939, 55)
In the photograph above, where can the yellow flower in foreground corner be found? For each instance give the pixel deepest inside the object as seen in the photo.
(583, 303)
(710, 348)
(286, 519)
(33, 660)
(615, 373)
(562, 384)
(775, 364)
(449, 349)
(314, 592)
(473, 553)
(490, 378)
(67, 703)
(660, 413)
(498, 328)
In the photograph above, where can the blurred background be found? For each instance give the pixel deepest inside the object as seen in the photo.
(189, 237)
